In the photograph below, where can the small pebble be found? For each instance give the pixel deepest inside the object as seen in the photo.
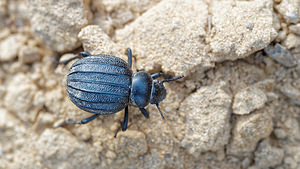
(281, 55)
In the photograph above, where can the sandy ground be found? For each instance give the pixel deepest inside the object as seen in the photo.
(237, 107)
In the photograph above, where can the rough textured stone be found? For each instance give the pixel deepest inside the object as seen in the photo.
(291, 92)
(292, 41)
(20, 94)
(29, 55)
(295, 29)
(95, 41)
(132, 144)
(3, 12)
(267, 156)
(292, 158)
(59, 149)
(281, 55)
(187, 51)
(207, 115)
(177, 45)
(121, 12)
(58, 22)
(10, 46)
(289, 9)
(237, 28)
(248, 130)
(248, 100)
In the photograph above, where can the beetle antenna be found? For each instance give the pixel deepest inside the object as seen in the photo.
(172, 79)
(162, 115)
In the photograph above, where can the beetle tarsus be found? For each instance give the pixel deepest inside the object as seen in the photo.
(119, 128)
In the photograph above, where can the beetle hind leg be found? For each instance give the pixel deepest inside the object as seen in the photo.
(81, 54)
(84, 121)
(129, 53)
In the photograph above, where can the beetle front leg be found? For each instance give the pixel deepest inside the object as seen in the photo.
(157, 75)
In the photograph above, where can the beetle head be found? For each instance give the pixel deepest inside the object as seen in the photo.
(158, 92)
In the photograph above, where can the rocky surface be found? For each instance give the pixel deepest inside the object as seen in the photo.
(206, 116)
(237, 107)
(58, 22)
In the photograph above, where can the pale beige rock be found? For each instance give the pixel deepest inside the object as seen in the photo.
(267, 156)
(290, 10)
(292, 159)
(248, 130)
(281, 36)
(44, 120)
(206, 114)
(3, 12)
(28, 55)
(248, 100)
(280, 133)
(58, 22)
(59, 149)
(20, 94)
(292, 128)
(95, 41)
(292, 41)
(240, 28)
(135, 142)
(13, 136)
(290, 163)
(187, 51)
(4, 33)
(177, 44)
(291, 92)
(3, 6)
(295, 29)
(123, 11)
(10, 46)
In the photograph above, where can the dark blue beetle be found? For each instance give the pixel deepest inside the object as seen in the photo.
(104, 84)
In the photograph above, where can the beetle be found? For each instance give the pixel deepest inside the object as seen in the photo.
(104, 84)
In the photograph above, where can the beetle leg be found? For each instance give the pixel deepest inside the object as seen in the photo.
(119, 128)
(144, 112)
(83, 54)
(162, 115)
(129, 53)
(84, 121)
(156, 75)
(125, 122)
